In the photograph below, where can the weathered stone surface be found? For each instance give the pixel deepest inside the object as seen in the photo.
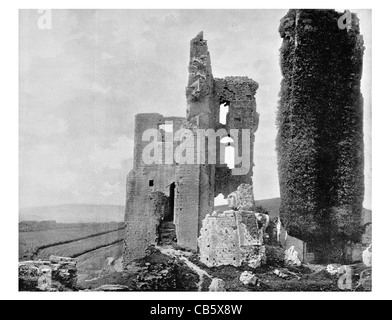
(263, 221)
(367, 256)
(56, 259)
(59, 275)
(242, 199)
(114, 265)
(189, 186)
(143, 231)
(258, 259)
(217, 285)
(248, 278)
(231, 238)
(45, 280)
(333, 269)
(219, 240)
(291, 257)
(280, 274)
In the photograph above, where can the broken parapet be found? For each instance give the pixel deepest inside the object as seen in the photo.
(55, 274)
(242, 199)
(199, 92)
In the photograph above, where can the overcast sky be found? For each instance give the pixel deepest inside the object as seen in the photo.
(83, 81)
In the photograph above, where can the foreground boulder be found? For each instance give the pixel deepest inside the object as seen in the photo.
(248, 278)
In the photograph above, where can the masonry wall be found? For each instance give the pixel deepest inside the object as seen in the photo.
(144, 183)
(239, 93)
(219, 241)
(195, 181)
(196, 185)
(231, 238)
(187, 206)
(199, 91)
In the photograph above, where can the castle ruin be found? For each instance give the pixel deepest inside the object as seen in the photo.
(175, 196)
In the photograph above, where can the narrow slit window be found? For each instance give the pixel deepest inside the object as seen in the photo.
(229, 152)
(224, 110)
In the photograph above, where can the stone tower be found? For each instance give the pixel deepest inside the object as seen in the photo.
(320, 139)
(182, 192)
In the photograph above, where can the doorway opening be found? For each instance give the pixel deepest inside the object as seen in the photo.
(167, 228)
(172, 193)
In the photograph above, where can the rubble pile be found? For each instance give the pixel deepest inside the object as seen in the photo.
(241, 236)
(159, 272)
(55, 274)
(234, 237)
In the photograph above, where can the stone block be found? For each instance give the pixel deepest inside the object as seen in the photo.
(217, 285)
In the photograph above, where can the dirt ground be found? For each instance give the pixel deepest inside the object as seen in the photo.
(159, 272)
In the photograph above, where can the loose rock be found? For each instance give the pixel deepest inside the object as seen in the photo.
(248, 278)
(291, 257)
(367, 256)
(217, 285)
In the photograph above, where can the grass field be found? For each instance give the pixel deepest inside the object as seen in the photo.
(75, 240)
(77, 248)
(90, 265)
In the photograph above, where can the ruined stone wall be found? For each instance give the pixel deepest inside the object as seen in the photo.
(195, 181)
(239, 94)
(187, 206)
(142, 229)
(231, 238)
(320, 137)
(199, 92)
(142, 214)
(196, 185)
(219, 244)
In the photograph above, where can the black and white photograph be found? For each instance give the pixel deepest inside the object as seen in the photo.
(155, 156)
(221, 151)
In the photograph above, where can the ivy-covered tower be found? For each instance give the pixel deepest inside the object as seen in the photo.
(320, 120)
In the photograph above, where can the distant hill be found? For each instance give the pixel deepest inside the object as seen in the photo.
(74, 213)
(272, 206)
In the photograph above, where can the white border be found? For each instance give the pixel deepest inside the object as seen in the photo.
(382, 117)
